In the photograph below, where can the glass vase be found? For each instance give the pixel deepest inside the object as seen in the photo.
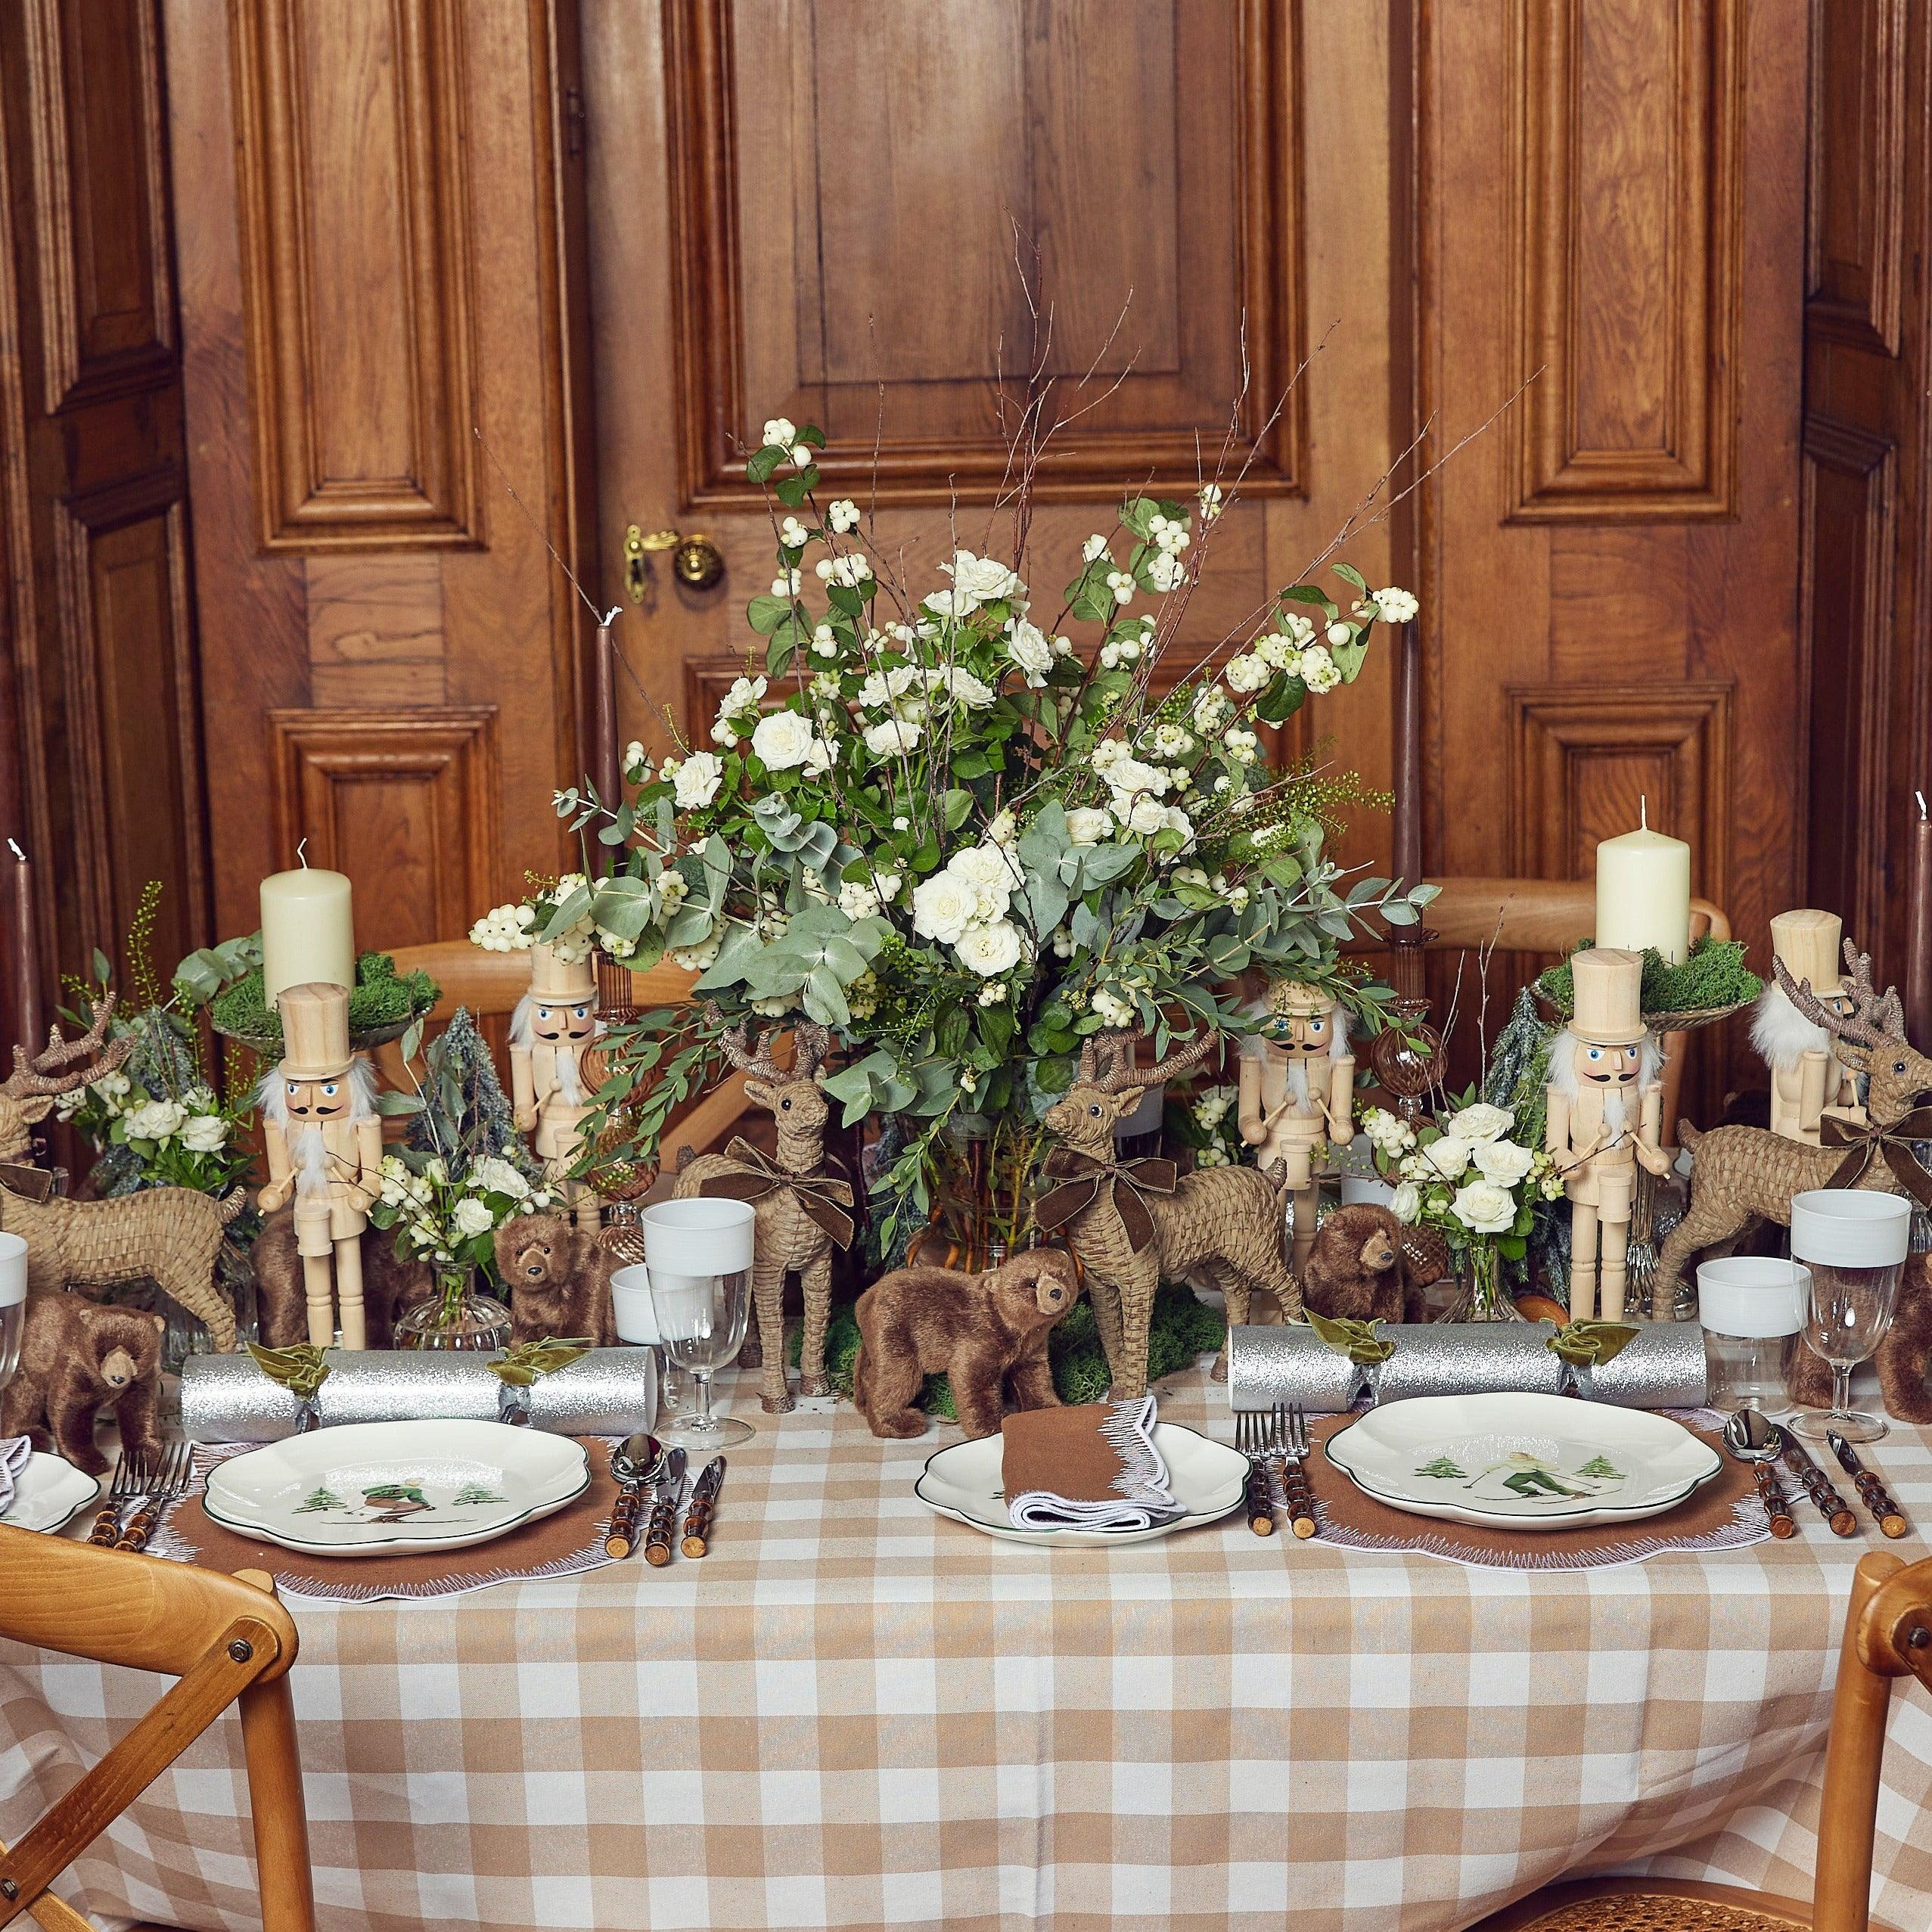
(1481, 1296)
(983, 1207)
(187, 1335)
(458, 1315)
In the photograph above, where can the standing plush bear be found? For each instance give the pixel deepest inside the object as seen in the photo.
(76, 1357)
(558, 1274)
(1358, 1268)
(980, 1331)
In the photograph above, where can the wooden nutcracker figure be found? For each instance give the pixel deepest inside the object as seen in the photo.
(554, 1027)
(1606, 1114)
(1808, 1080)
(1297, 1093)
(324, 1140)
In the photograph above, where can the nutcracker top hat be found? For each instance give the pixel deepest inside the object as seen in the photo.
(1293, 999)
(560, 982)
(1609, 986)
(1808, 943)
(314, 1031)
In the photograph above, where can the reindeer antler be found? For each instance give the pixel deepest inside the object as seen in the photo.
(1124, 1074)
(1873, 1022)
(748, 1053)
(812, 1043)
(35, 1075)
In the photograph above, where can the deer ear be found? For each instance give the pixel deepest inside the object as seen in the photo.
(759, 1092)
(36, 1109)
(1130, 1097)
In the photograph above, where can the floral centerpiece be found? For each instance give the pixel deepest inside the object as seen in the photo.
(930, 820)
(1461, 1174)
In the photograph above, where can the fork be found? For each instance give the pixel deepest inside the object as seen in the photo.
(1250, 1438)
(131, 1480)
(1289, 1437)
(170, 1480)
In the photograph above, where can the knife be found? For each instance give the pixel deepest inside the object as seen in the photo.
(704, 1502)
(664, 1511)
(1889, 1517)
(1818, 1486)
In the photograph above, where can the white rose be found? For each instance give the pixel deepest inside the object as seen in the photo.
(974, 693)
(1482, 1122)
(1484, 1208)
(1131, 775)
(783, 740)
(943, 907)
(1148, 816)
(1405, 1204)
(1503, 1161)
(981, 580)
(1448, 1156)
(988, 866)
(1028, 646)
(1175, 820)
(472, 1216)
(205, 1133)
(1086, 825)
(697, 778)
(894, 736)
(990, 949)
(158, 1120)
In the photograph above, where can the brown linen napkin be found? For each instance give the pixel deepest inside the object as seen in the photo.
(1092, 1468)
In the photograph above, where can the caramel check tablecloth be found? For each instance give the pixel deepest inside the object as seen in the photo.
(855, 1714)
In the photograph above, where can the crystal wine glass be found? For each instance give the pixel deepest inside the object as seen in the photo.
(698, 1253)
(1854, 1243)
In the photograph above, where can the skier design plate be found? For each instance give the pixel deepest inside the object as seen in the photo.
(1522, 1461)
(370, 1488)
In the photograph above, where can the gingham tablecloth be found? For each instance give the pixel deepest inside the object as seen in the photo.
(854, 1714)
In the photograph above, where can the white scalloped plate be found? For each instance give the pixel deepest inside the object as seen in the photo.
(48, 1494)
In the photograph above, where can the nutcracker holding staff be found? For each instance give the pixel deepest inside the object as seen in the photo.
(551, 1032)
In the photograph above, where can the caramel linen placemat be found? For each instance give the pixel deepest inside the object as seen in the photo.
(1723, 1514)
(559, 1546)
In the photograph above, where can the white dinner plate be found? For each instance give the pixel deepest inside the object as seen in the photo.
(964, 1481)
(1522, 1461)
(48, 1494)
(374, 1488)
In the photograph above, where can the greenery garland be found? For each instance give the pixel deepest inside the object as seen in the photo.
(380, 997)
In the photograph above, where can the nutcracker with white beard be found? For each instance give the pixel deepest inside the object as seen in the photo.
(1297, 1093)
(1606, 1114)
(1808, 1080)
(324, 1141)
(552, 1031)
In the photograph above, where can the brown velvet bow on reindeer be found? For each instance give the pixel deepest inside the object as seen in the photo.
(752, 1175)
(1875, 1141)
(1081, 1176)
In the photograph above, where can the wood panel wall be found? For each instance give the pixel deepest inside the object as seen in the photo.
(380, 263)
(1866, 668)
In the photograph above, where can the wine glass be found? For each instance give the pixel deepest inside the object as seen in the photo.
(1854, 1243)
(698, 1254)
(13, 1303)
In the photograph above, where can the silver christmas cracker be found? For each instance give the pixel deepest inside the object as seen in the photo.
(1664, 1368)
(606, 1392)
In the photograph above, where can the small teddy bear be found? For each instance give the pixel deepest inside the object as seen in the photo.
(1358, 1268)
(77, 1356)
(559, 1278)
(980, 1331)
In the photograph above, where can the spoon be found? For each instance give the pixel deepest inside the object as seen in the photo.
(1752, 1437)
(637, 1459)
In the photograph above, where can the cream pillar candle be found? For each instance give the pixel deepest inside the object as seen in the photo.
(308, 931)
(1644, 892)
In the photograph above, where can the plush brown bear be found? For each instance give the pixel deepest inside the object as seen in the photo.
(390, 1286)
(77, 1356)
(1902, 1360)
(979, 1330)
(559, 1279)
(1358, 1268)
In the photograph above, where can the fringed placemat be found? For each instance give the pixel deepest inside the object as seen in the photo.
(1723, 1513)
(561, 1546)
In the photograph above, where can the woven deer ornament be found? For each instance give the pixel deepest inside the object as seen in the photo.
(1132, 1222)
(28, 1094)
(802, 1210)
(1741, 1174)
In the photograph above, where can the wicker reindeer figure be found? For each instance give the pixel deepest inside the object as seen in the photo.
(1744, 1174)
(27, 1095)
(1131, 1223)
(803, 1212)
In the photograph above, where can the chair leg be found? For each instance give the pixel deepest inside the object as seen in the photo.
(280, 1817)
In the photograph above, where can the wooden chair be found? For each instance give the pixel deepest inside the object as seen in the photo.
(1888, 1633)
(226, 1639)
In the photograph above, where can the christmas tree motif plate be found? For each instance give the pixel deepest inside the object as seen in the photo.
(1522, 1461)
(370, 1489)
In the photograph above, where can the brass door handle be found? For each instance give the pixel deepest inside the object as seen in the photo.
(695, 559)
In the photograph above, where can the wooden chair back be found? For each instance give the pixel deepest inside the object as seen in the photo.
(226, 1639)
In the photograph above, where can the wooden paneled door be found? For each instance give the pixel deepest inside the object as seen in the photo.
(817, 209)
(99, 735)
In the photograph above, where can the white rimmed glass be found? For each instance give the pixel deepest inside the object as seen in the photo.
(13, 1303)
(1854, 1242)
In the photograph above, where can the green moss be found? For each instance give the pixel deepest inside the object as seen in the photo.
(1183, 1330)
(380, 998)
(1714, 974)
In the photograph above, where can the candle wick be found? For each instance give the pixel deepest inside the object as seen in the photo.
(1643, 812)
(1923, 814)
(13, 844)
(610, 617)
(301, 855)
